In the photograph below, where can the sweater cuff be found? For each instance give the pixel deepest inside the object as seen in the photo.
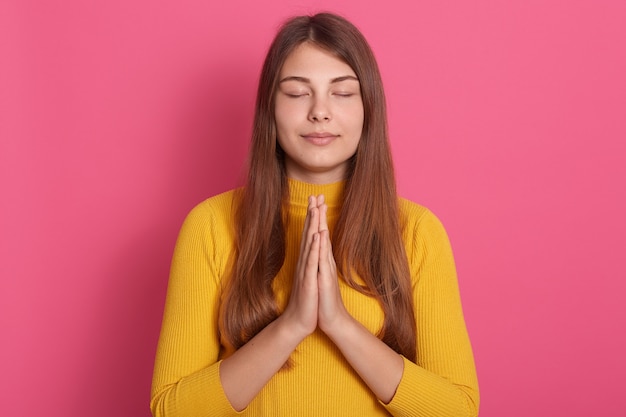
(209, 383)
(422, 393)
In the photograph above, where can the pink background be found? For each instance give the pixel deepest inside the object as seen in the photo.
(508, 120)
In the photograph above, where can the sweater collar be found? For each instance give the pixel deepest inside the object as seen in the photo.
(299, 193)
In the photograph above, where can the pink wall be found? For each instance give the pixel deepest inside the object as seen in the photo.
(508, 119)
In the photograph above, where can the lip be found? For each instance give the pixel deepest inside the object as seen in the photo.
(319, 138)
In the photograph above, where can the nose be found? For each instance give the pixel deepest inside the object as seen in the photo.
(319, 111)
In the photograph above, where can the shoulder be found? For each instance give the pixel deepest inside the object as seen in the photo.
(213, 218)
(416, 217)
(220, 207)
(423, 233)
(223, 202)
(207, 235)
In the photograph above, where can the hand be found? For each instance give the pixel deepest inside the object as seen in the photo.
(302, 309)
(315, 297)
(331, 309)
(316, 301)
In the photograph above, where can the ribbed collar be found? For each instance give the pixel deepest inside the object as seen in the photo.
(299, 193)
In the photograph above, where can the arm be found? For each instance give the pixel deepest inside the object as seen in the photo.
(246, 372)
(443, 382)
(379, 366)
(189, 378)
(186, 373)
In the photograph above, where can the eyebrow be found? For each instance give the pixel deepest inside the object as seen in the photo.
(308, 81)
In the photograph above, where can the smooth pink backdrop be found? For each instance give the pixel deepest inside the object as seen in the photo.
(508, 119)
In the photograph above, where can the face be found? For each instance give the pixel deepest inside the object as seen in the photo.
(319, 115)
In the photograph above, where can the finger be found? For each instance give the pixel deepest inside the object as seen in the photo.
(323, 219)
(331, 304)
(329, 254)
(323, 266)
(313, 257)
(307, 223)
(325, 255)
(307, 241)
(312, 227)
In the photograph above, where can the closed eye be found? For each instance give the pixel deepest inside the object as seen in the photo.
(295, 94)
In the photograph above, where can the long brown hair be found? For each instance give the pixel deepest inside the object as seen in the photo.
(367, 238)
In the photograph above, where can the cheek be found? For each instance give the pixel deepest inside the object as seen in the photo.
(356, 122)
(284, 117)
(282, 129)
(279, 122)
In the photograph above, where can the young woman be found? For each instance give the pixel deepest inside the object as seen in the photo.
(314, 290)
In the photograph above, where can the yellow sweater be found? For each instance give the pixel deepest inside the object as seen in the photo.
(321, 383)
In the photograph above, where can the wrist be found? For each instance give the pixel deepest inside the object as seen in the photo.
(341, 325)
(290, 331)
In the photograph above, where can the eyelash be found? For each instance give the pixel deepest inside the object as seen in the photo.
(344, 95)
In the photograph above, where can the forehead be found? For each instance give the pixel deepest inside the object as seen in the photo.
(312, 62)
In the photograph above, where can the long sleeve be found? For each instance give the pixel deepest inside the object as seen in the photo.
(443, 382)
(186, 375)
(186, 378)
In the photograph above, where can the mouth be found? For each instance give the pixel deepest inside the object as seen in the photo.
(319, 138)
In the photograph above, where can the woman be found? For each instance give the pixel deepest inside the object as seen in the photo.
(314, 290)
